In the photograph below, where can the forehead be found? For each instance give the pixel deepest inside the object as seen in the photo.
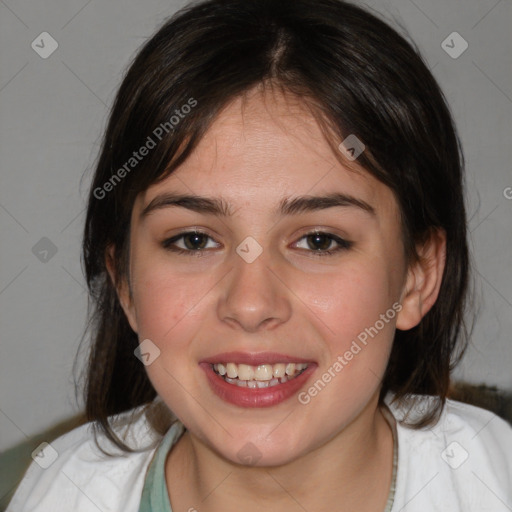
(263, 147)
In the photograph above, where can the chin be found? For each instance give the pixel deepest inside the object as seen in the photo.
(254, 450)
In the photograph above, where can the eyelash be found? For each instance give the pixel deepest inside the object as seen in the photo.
(343, 244)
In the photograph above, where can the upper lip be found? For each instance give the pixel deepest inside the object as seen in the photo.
(253, 358)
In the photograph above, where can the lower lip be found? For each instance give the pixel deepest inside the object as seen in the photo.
(255, 397)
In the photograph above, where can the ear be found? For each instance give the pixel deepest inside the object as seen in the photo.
(423, 281)
(123, 291)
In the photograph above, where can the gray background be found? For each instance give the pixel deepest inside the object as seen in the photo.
(52, 114)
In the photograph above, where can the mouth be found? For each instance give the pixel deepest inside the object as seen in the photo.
(256, 385)
(261, 376)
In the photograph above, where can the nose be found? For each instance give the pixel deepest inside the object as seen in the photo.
(254, 297)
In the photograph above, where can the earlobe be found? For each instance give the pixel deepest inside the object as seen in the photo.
(122, 289)
(423, 282)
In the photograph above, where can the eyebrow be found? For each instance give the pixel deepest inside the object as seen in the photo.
(287, 206)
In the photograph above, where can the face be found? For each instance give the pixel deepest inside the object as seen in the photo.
(262, 276)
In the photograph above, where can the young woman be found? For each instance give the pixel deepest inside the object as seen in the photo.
(275, 245)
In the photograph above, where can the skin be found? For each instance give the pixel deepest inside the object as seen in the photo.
(335, 453)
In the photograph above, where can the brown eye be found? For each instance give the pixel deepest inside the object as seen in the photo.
(194, 241)
(319, 241)
(323, 244)
(190, 242)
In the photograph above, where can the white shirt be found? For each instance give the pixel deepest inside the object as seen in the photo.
(462, 464)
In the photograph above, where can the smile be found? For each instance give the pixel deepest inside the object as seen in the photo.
(261, 376)
(272, 379)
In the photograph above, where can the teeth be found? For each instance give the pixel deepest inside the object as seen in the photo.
(290, 369)
(232, 370)
(263, 372)
(245, 372)
(279, 370)
(261, 376)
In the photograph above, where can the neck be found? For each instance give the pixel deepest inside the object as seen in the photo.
(352, 471)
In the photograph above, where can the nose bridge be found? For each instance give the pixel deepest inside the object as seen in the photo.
(253, 297)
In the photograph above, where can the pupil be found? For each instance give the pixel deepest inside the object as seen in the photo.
(194, 239)
(321, 241)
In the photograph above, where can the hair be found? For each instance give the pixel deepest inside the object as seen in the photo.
(358, 76)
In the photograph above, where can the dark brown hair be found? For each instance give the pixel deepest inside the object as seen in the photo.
(359, 76)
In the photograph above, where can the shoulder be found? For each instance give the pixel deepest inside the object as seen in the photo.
(485, 437)
(71, 472)
(458, 420)
(463, 462)
(484, 426)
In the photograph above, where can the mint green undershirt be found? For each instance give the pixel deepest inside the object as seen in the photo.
(154, 494)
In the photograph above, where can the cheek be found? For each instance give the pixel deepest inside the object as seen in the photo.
(354, 315)
(353, 311)
(350, 299)
(168, 306)
(172, 305)
(164, 299)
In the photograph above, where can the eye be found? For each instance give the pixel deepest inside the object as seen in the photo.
(196, 243)
(323, 244)
(189, 242)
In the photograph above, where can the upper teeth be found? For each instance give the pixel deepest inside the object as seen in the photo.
(260, 372)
